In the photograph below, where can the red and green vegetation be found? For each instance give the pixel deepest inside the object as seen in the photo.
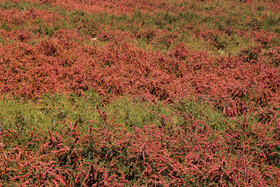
(132, 93)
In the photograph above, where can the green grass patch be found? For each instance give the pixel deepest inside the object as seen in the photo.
(48, 113)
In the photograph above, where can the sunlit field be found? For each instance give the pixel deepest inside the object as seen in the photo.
(139, 93)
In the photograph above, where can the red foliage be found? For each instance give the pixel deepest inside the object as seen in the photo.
(157, 155)
(234, 84)
(189, 154)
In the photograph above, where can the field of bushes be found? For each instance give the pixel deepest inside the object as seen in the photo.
(139, 93)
